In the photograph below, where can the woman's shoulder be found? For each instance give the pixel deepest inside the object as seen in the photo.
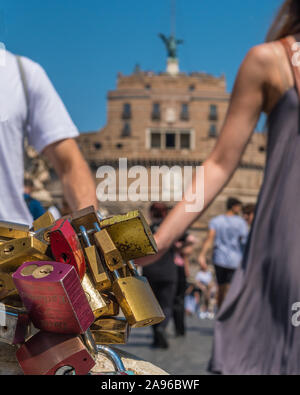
(262, 54)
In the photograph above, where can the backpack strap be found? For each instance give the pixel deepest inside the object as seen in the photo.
(291, 47)
(25, 90)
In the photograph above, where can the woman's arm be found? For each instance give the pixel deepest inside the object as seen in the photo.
(246, 105)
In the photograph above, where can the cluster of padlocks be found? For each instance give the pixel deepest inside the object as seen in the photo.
(62, 284)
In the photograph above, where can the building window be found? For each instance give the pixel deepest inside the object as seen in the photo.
(213, 131)
(156, 111)
(192, 88)
(170, 140)
(155, 140)
(126, 111)
(185, 112)
(148, 87)
(119, 146)
(185, 140)
(213, 113)
(126, 131)
(97, 146)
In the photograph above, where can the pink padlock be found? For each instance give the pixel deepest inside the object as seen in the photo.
(53, 296)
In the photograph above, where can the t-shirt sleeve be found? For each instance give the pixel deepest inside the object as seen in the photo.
(213, 224)
(49, 120)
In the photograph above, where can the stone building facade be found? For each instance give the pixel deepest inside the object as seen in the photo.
(170, 119)
(174, 120)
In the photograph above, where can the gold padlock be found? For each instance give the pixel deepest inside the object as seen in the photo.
(131, 234)
(44, 221)
(100, 277)
(137, 300)
(109, 251)
(110, 331)
(15, 252)
(113, 307)
(86, 217)
(97, 302)
(10, 230)
(7, 286)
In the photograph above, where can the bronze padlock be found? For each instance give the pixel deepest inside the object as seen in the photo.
(14, 253)
(137, 300)
(7, 286)
(109, 251)
(44, 221)
(100, 277)
(96, 300)
(10, 230)
(110, 331)
(131, 235)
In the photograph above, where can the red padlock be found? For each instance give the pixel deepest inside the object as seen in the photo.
(53, 296)
(50, 354)
(66, 247)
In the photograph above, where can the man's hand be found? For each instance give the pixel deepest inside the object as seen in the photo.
(78, 184)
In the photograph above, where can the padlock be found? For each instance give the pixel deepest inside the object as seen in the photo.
(50, 354)
(100, 276)
(66, 247)
(44, 221)
(137, 300)
(14, 253)
(53, 296)
(15, 325)
(109, 251)
(96, 301)
(110, 331)
(10, 230)
(7, 286)
(131, 235)
(113, 307)
(86, 217)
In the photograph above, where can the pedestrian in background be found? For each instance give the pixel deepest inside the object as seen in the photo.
(184, 248)
(248, 213)
(162, 276)
(227, 235)
(35, 207)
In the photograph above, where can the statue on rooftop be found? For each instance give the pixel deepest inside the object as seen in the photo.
(171, 45)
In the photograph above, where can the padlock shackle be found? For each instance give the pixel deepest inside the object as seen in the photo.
(113, 356)
(85, 235)
(90, 341)
(133, 268)
(97, 227)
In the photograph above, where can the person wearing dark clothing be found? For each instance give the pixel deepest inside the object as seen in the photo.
(35, 207)
(162, 276)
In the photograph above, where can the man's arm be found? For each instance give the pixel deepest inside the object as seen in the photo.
(207, 245)
(78, 184)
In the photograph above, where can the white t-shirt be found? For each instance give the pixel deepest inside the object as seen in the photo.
(204, 277)
(49, 122)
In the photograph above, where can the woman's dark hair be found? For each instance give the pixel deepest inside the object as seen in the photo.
(287, 21)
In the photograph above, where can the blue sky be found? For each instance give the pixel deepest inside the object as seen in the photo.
(83, 44)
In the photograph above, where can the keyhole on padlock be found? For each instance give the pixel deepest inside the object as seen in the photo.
(9, 249)
(65, 257)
